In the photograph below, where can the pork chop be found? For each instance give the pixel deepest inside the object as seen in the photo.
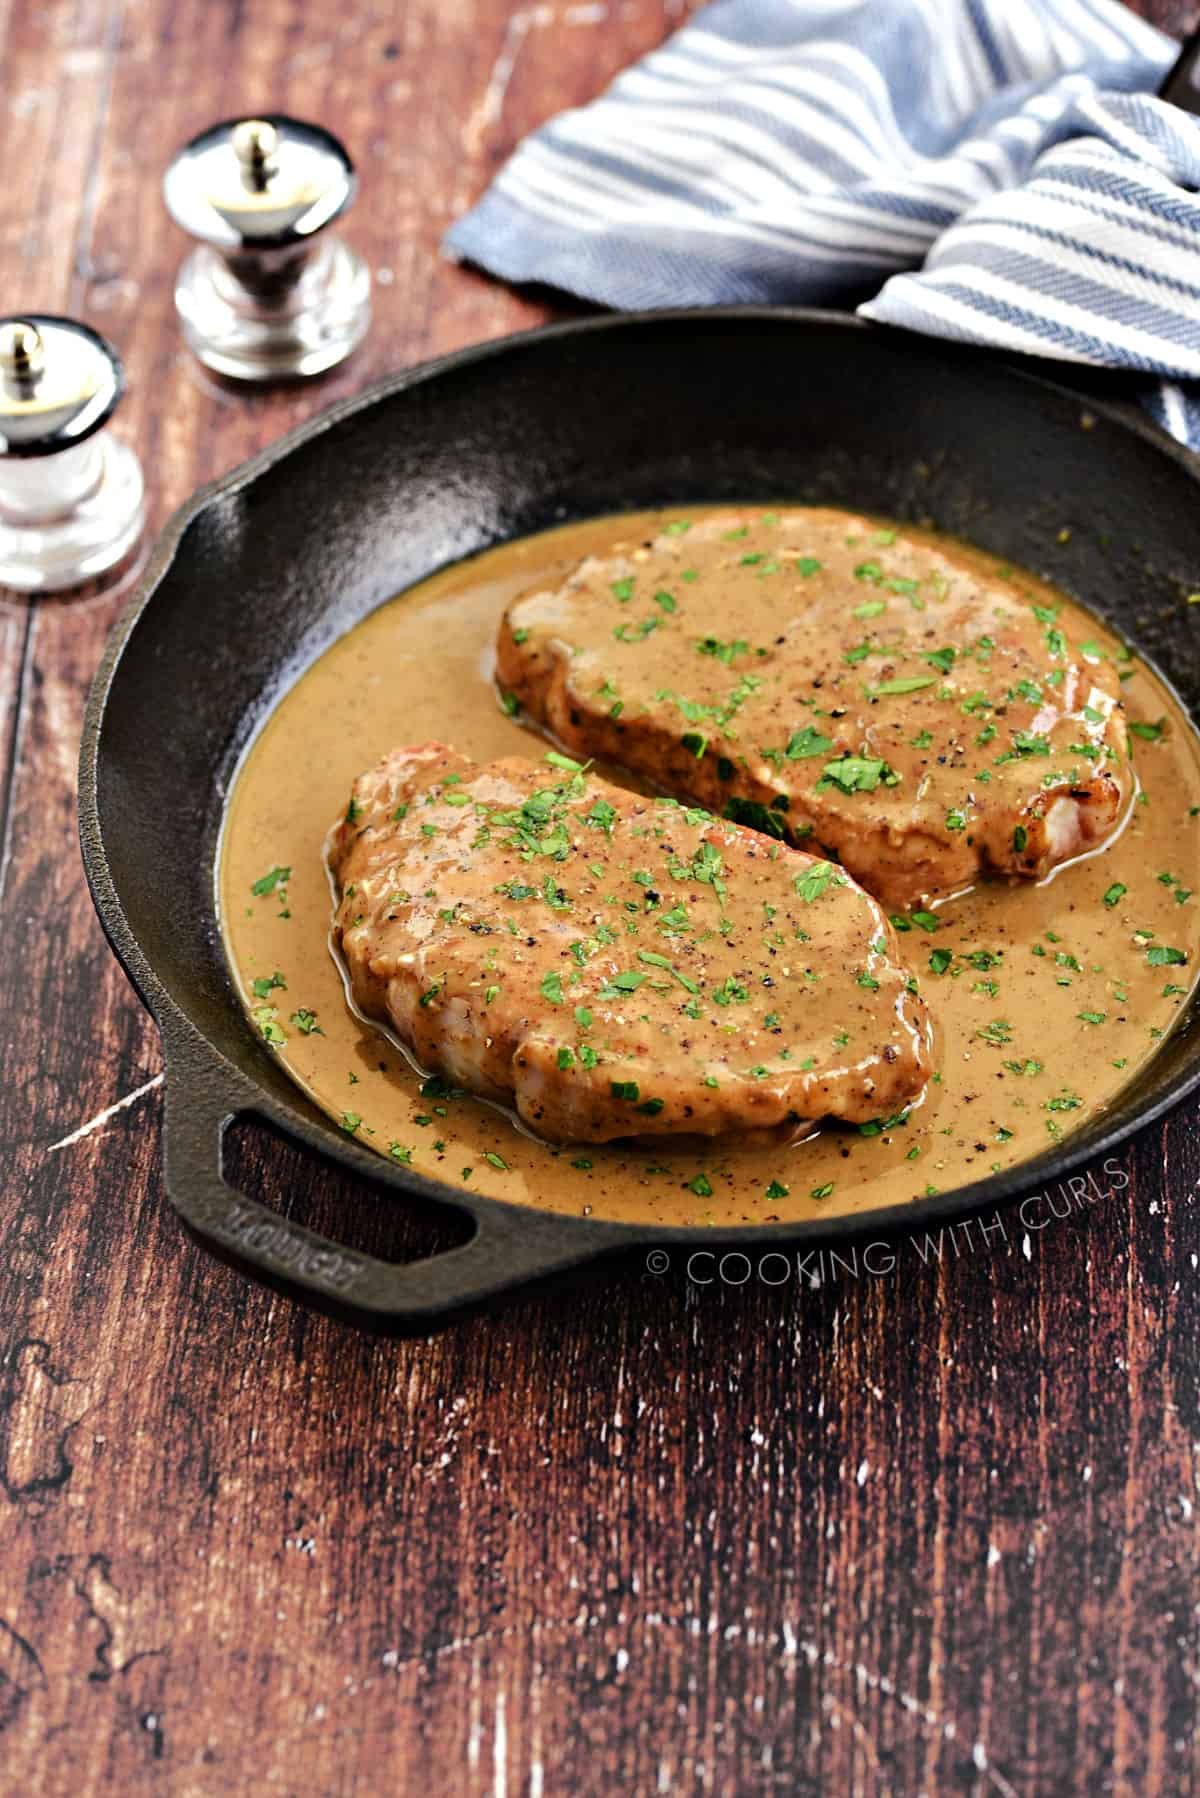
(834, 685)
(614, 964)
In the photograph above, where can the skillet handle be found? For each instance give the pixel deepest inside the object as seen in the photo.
(510, 1246)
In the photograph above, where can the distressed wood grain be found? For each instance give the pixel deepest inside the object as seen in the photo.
(926, 1525)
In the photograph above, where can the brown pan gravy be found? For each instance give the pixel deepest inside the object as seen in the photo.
(1049, 1006)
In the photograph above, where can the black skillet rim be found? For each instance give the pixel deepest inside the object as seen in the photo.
(188, 1055)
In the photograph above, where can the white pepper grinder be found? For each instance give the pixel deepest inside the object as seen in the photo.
(270, 292)
(71, 494)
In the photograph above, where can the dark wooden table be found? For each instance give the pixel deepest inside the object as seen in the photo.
(931, 1530)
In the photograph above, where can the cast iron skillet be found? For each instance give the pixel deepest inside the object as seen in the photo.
(258, 573)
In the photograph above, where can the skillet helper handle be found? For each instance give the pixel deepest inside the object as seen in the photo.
(509, 1247)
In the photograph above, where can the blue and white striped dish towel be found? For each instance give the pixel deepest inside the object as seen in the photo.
(1009, 153)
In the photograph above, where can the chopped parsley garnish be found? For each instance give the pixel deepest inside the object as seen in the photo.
(620, 986)
(602, 816)
(730, 992)
(661, 961)
(723, 652)
(264, 1016)
(876, 1126)
(858, 774)
(821, 875)
(635, 633)
(909, 683)
(806, 743)
(1025, 742)
(755, 816)
(267, 883)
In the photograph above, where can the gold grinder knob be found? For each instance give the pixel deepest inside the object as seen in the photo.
(255, 142)
(22, 353)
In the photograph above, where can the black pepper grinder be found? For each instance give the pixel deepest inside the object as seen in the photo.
(71, 494)
(270, 292)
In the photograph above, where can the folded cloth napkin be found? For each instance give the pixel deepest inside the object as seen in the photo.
(808, 151)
